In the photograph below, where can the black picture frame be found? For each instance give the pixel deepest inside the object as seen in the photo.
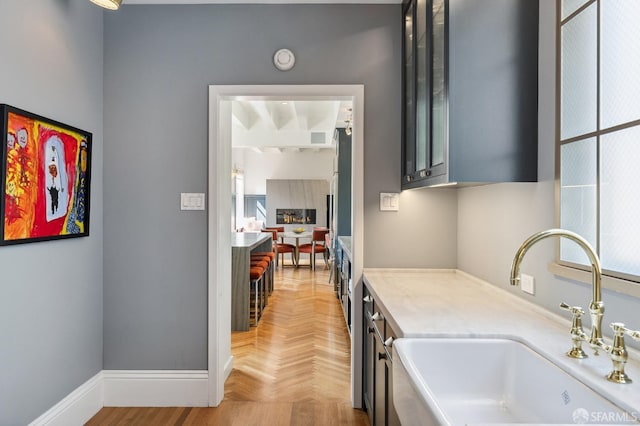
(46, 170)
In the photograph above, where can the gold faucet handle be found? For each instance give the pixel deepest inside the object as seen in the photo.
(576, 311)
(620, 330)
(618, 352)
(577, 333)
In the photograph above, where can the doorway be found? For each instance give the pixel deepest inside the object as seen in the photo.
(220, 360)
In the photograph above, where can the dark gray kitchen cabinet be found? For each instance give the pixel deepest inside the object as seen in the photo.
(368, 373)
(380, 383)
(470, 92)
(343, 276)
(377, 365)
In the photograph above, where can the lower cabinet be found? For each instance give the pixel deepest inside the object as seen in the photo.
(377, 365)
(342, 287)
(369, 371)
(345, 290)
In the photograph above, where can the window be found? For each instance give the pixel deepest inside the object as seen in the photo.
(599, 132)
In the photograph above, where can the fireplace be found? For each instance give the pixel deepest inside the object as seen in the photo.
(295, 216)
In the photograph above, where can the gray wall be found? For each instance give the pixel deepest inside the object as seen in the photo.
(494, 220)
(159, 61)
(51, 303)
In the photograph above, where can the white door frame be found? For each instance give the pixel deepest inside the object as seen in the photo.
(220, 360)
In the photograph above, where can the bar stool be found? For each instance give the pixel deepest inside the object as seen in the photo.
(272, 266)
(255, 276)
(262, 262)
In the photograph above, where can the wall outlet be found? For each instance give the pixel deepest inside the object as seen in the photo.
(527, 283)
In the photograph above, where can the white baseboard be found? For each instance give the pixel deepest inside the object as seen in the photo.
(228, 366)
(109, 388)
(77, 407)
(162, 388)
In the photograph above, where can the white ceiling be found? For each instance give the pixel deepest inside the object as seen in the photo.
(287, 125)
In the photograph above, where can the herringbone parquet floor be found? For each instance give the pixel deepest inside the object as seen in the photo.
(293, 369)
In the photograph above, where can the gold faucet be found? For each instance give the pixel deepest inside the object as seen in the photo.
(596, 308)
(617, 350)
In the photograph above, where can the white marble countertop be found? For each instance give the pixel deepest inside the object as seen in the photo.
(345, 243)
(450, 303)
(248, 239)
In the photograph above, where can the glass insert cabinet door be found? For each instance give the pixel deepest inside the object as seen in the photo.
(409, 89)
(422, 79)
(424, 85)
(438, 89)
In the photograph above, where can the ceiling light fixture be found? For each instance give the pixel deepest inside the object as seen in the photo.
(108, 4)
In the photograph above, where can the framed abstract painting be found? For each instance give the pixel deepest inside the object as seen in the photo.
(46, 172)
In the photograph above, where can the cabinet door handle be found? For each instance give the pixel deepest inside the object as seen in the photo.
(367, 299)
(371, 329)
(389, 342)
(382, 355)
(377, 316)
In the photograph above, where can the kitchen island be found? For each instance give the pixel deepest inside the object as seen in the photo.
(242, 244)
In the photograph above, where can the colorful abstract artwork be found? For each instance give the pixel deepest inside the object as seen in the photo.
(46, 167)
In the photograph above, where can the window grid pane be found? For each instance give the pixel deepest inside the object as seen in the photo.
(620, 201)
(570, 6)
(578, 88)
(620, 62)
(578, 197)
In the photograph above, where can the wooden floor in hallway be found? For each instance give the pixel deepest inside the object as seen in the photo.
(293, 369)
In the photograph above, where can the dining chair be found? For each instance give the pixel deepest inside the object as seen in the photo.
(316, 246)
(282, 247)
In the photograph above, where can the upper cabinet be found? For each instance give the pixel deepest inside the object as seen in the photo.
(470, 91)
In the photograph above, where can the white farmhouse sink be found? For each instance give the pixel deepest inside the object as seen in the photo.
(460, 381)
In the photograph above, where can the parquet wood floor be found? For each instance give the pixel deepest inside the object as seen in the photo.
(293, 369)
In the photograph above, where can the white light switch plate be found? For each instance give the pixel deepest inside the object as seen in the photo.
(192, 201)
(389, 201)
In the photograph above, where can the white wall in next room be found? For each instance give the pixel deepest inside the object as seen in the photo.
(258, 167)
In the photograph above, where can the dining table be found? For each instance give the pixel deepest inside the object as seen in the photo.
(297, 236)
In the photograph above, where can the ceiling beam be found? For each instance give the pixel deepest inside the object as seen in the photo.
(265, 112)
(302, 113)
(242, 113)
